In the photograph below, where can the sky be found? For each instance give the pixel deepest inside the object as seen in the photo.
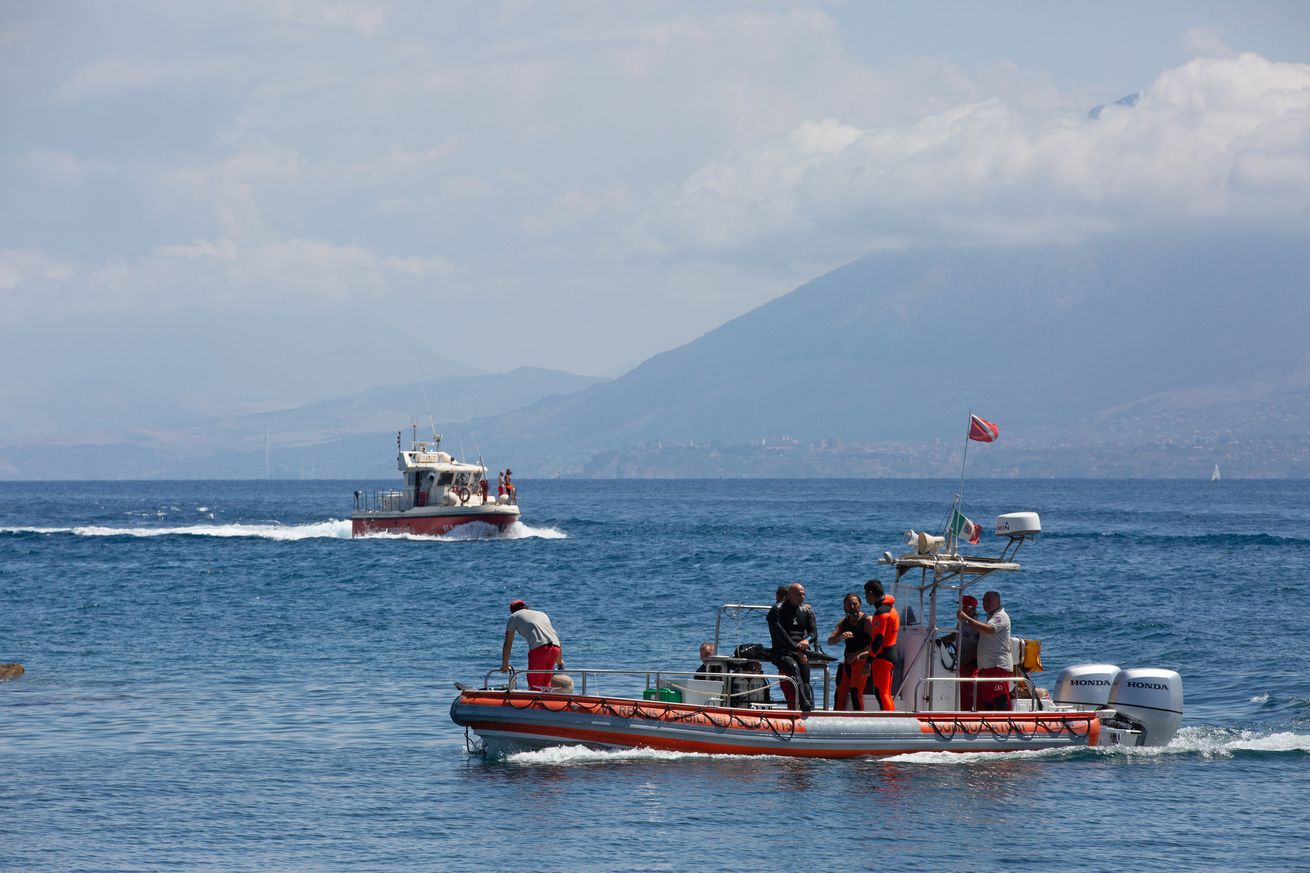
(223, 207)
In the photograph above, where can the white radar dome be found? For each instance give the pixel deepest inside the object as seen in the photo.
(1018, 524)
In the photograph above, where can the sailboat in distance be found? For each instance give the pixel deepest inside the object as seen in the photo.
(1214, 477)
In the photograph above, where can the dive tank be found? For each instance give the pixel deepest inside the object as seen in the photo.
(1150, 698)
(1085, 686)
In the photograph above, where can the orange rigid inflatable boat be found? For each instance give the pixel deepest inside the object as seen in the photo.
(510, 720)
(728, 706)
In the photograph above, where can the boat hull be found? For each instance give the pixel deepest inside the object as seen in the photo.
(433, 521)
(508, 720)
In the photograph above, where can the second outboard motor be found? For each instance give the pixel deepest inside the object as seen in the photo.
(1086, 686)
(1152, 700)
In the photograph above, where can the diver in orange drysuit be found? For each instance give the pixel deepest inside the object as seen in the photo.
(884, 655)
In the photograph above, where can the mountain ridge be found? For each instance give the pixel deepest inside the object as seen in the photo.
(1146, 354)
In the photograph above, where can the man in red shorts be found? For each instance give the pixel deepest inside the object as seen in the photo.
(545, 654)
(995, 660)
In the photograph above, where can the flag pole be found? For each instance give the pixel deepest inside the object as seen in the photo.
(959, 498)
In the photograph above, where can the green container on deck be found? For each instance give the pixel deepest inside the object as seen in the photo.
(666, 695)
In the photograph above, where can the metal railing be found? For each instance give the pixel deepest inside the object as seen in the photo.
(383, 501)
(403, 501)
(975, 680)
(735, 610)
(654, 679)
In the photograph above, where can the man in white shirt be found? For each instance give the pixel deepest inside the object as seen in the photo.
(545, 653)
(995, 660)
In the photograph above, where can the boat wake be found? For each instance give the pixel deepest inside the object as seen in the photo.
(331, 529)
(1202, 741)
(1214, 742)
(574, 756)
(478, 531)
(1206, 742)
(972, 758)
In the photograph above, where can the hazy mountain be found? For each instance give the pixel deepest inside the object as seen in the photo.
(347, 436)
(1122, 356)
(897, 347)
(156, 370)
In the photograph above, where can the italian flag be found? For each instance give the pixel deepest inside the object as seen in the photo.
(964, 529)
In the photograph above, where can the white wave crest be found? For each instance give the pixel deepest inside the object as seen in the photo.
(568, 756)
(332, 528)
(1207, 741)
(1261, 698)
(520, 531)
(1212, 742)
(971, 758)
(477, 530)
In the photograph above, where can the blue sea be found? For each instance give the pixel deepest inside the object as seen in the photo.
(220, 678)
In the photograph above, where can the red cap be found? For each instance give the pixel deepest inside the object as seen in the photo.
(516, 605)
(969, 600)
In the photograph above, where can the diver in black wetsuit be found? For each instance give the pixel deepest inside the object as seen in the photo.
(856, 630)
(793, 629)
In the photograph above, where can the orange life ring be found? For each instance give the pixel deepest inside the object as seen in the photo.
(462, 492)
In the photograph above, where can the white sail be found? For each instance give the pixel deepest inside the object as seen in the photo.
(1214, 477)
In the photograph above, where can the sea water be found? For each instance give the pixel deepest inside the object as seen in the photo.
(219, 677)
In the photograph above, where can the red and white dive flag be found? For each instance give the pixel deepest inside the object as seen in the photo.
(981, 430)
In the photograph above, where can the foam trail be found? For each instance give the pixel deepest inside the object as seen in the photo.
(568, 756)
(332, 528)
(520, 531)
(1212, 742)
(973, 758)
(477, 530)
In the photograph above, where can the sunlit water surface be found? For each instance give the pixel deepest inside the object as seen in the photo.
(219, 677)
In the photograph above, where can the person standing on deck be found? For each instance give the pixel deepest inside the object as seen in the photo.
(792, 626)
(855, 630)
(995, 659)
(884, 654)
(545, 654)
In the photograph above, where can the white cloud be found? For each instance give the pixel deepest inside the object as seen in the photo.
(1206, 42)
(209, 273)
(18, 267)
(113, 75)
(573, 208)
(364, 20)
(468, 187)
(649, 170)
(1209, 139)
(61, 167)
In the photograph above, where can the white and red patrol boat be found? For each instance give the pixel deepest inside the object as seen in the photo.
(726, 707)
(437, 494)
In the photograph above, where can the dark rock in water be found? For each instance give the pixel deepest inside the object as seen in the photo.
(11, 671)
